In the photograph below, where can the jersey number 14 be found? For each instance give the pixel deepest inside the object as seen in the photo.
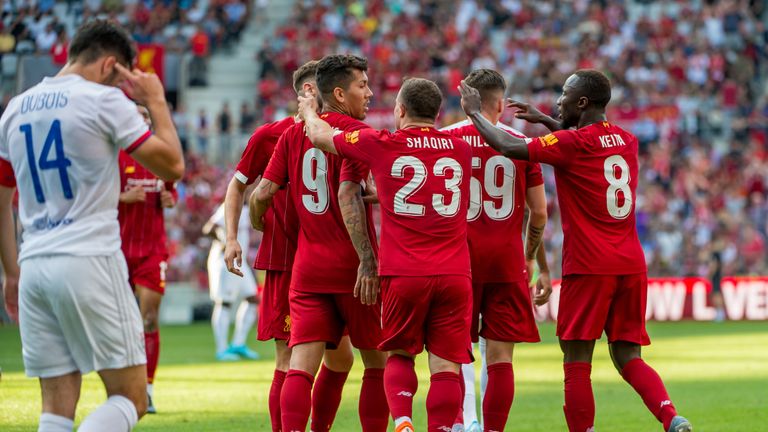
(60, 162)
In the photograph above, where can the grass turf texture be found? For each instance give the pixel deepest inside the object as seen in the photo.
(717, 375)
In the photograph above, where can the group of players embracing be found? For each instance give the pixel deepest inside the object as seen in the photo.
(451, 267)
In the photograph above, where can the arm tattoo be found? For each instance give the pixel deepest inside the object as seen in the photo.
(533, 240)
(353, 213)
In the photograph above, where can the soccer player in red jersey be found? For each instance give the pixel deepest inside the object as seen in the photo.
(604, 274)
(334, 280)
(422, 177)
(499, 191)
(276, 255)
(142, 230)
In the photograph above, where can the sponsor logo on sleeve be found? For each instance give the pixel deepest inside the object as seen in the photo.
(352, 137)
(548, 140)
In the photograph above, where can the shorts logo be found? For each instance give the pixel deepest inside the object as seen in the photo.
(352, 137)
(405, 393)
(548, 140)
(287, 326)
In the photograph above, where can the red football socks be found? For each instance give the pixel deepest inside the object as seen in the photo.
(443, 401)
(579, 400)
(296, 400)
(326, 398)
(274, 399)
(649, 386)
(460, 414)
(498, 396)
(373, 409)
(152, 346)
(400, 384)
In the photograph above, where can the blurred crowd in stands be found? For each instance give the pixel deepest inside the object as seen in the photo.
(689, 80)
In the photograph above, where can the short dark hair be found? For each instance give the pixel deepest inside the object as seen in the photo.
(99, 37)
(595, 86)
(422, 98)
(336, 71)
(303, 74)
(486, 81)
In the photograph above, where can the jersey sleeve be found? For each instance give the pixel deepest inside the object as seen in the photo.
(7, 177)
(277, 168)
(361, 145)
(555, 149)
(533, 176)
(121, 121)
(255, 156)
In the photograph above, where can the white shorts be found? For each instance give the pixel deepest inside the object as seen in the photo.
(227, 287)
(78, 314)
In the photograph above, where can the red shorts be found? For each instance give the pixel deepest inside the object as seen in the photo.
(590, 304)
(431, 311)
(148, 272)
(324, 317)
(274, 315)
(507, 312)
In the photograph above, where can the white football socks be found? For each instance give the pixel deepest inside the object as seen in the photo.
(470, 403)
(117, 414)
(55, 423)
(220, 322)
(244, 321)
(483, 370)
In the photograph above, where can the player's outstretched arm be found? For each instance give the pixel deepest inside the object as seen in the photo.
(530, 114)
(260, 201)
(353, 213)
(161, 153)
(534, 247)
(8, 254)
(233, 208)
(501, 141)
(318, 130)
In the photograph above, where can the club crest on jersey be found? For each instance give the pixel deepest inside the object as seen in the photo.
(130, 169)
(548, 140)
(352, 137)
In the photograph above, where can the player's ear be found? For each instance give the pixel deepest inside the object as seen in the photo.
(108, 65)
(309, 89)
(500, 105)
(582, 102)
(338, 93)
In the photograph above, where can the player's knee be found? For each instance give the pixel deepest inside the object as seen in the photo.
(438, 364)
(623, 352)
(339, 360)
(373, 359)
(150, 319)
(140, 402)
(577, 350)
(498, 352)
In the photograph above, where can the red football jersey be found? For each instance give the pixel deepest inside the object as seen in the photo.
(281, 225)
(497, 195)
(422, 177)
(142, 226)
(325, 259)
(596, 176)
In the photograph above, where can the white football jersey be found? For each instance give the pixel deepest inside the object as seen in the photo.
(62, 138)
(243, 232)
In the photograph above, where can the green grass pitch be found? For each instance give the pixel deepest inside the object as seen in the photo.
(717, 375)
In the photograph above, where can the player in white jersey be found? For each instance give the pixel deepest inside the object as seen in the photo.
(59, 142)
(228, 289)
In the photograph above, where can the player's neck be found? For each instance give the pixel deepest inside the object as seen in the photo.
(334, 107)
(492, 117)
(591, 117)
(77, 69)
(416, 123)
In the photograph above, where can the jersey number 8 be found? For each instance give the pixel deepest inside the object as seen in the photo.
(616, 185)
